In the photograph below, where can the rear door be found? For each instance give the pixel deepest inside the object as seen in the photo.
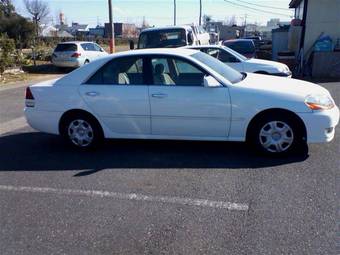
(118, 94)
(90, 51)
(181, 107)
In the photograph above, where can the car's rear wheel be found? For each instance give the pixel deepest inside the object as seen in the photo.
(277, 135)
(81, 131)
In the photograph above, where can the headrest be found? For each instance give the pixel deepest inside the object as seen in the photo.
(159, 69)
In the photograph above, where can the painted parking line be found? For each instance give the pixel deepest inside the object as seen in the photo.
(130, 196)
(12, 125)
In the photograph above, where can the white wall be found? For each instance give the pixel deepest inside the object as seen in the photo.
(322, 16)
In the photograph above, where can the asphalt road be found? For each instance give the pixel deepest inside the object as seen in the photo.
(161, 197)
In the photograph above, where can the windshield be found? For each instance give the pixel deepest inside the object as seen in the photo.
(219, 67)
(162, 39)
(235, 53)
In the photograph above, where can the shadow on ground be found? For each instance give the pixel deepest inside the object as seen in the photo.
(42, 152)
(47, 68)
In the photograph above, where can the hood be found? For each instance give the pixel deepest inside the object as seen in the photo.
(292, 88)
(267, 63)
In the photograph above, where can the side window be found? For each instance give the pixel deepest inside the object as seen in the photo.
(121, 71)
(176, 72)
(226, 57)
(85, 46)
(96, 47)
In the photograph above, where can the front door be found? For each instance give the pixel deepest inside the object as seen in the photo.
(180, 104)
(118, 95)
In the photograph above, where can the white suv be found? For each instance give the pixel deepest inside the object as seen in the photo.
(76, 54)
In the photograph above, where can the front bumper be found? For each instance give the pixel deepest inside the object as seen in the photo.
(321, 125)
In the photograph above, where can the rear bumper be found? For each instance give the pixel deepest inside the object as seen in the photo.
(321, 125)
(67, 63)
(43, 121)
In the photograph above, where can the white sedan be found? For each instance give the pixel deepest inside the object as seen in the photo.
(180, 94)
(243, 64)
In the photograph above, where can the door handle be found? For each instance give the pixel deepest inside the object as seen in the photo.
(160, 95)
(92, 94)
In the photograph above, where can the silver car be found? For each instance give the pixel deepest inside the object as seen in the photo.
(76, 54)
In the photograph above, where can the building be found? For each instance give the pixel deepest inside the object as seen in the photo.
(314, 18)
(78, 29)
(98, 31)
(317, 17)
(226, 32)
(122, 30)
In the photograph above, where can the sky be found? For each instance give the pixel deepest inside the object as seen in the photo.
(160, 12)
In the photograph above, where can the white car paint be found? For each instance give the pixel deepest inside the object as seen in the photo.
(243, 64)
(86, 55)
(220, 112)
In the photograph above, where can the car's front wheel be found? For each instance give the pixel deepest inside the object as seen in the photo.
(277, 135)
(81, 131)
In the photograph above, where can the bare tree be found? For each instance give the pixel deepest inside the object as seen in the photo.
(38, 9)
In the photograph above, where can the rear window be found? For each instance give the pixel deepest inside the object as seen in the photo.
(241, 47)
(66, 47)
(163, 39)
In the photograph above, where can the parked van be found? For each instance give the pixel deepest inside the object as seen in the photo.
(166, 37)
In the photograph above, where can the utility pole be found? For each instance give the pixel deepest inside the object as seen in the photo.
(200, 18)
(174, 12)
(112, 35)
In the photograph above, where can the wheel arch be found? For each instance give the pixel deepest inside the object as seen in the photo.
(76, 112)
(279, 111)
(261, 72)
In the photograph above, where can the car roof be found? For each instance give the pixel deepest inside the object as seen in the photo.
(239, 40)
(75, 42)
(165, 28)
(202, 46)
(172, 51)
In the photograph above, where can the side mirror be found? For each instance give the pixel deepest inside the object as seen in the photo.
(211, 82)
(132, 45)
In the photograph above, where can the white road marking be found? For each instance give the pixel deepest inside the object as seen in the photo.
(131, 196)
(12, 125)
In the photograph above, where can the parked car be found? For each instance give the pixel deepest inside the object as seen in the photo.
(180, 94)
(257, 41)
(76, 54)
(246, 47)
(166, 37)
(243, 64)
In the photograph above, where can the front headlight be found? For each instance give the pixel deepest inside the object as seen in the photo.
(283, 69)
(319, 102)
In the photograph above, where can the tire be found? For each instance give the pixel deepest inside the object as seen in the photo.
(277, 134)
(81, 131)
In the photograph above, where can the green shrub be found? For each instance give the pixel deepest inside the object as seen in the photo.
(7, 53)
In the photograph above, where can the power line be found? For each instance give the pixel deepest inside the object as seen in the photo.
(254, 9)
(264, 6)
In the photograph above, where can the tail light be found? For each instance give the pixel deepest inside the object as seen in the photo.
(29, 102)
(76, 55)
